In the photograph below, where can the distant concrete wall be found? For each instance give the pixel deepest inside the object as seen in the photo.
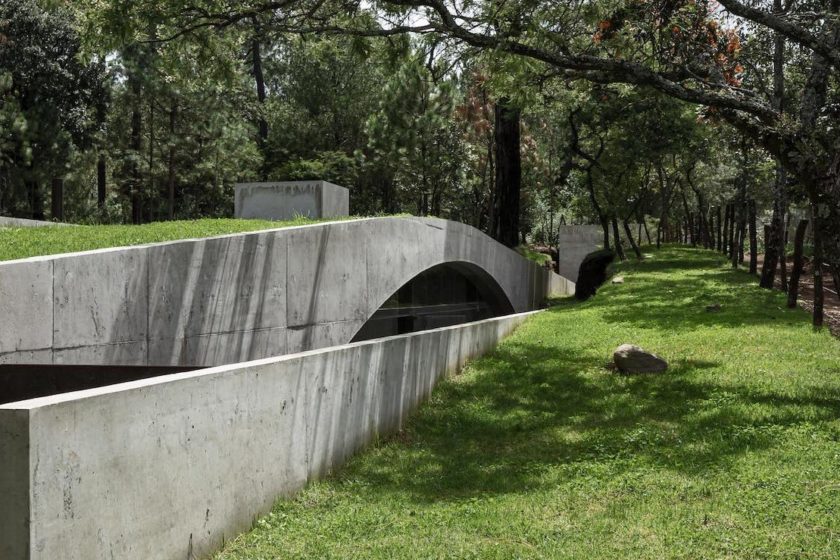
(286, 200)
(237, 297)
(171, 467)
(22, 222)
(573, 244)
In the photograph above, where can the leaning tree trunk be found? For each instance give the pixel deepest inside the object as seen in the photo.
(835, 276)
(798, 263)
(602, 217)
(508, 171)
(630, 239)
(619, 250)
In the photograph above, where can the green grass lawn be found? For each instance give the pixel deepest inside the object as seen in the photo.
(18, 243)
(539, 451)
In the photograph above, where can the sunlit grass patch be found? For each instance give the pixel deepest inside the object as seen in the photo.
(540, 451)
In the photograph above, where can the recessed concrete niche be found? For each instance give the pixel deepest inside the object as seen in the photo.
(287, 200)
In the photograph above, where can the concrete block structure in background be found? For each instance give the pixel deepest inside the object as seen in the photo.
(573, 244)
(286, 200)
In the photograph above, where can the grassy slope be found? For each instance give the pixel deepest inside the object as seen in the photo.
(538, 451)
(18, 243)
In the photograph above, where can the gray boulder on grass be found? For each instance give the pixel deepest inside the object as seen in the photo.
(629, 358)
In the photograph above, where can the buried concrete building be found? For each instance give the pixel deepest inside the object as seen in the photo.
(156, 398)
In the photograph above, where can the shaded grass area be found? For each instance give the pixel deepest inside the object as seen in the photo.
(18, 243)
(539, 451)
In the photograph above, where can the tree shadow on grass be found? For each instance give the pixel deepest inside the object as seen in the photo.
(532, 408)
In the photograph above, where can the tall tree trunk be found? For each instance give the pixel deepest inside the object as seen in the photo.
(36, 199)
(647, 233)
(783, 242)
(689, 221)
(101, 185)
(778, 104)
(725, 234)
(135, 144)
(771, 248)
(742, 229)
(719, 229)
(508, 171)
(798, 264)
(733, 237)
(630, 240)
(147, 214)
(57, 197)
(170, 178)
(619, 250)
(710, 229)
(818, 266)
(753, 239)
(256, 61)
(659, 235)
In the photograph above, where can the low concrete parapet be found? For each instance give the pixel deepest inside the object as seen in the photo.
(171, 467)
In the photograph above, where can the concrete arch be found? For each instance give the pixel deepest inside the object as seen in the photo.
(238, 297)
(446, 294)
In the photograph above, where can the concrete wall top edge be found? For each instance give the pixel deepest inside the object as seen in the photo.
(56, 256)
(43, 402)
(438, 223)
(314, 182)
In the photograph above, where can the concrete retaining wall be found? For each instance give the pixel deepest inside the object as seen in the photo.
(170, 467)
(228, 299)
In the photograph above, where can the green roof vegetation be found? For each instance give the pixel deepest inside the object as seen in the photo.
(18, 243)
(538, 450)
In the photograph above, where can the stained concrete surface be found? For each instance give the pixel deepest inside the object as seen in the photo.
(232, 298)
(286, 200)
(170, 467)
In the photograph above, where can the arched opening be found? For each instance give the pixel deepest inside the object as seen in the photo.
(444, 295)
